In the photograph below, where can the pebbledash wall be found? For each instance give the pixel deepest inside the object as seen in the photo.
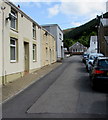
(20, 44)
(48, 45)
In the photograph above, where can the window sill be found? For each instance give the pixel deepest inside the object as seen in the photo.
(13, 61)
(34, 61)
(14, 30)
(34, 38)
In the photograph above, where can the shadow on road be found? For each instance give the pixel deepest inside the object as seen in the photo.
(83, 84)
(99, 106)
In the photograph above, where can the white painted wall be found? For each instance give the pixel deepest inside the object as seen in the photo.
(1, 38)
(93, 44)
(24, 31)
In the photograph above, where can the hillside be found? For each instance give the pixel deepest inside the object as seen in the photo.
(82, 33)
(68, 30)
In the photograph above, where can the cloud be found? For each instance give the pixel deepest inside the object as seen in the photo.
(79, 12)
(53, 10)
(75, 24)
(82, 8)
(58, 0)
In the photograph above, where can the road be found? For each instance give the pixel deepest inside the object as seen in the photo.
(63, 93)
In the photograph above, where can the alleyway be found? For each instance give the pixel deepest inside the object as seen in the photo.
(63, 93)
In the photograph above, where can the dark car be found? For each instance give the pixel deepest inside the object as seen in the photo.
(99, 72)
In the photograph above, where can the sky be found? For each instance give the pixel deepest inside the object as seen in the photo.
(65, 13)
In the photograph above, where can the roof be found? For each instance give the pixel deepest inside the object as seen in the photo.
(51, 25)
(48, 32)
(20, 11)
(78, 44)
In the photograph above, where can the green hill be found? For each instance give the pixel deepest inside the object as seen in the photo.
(82, 33)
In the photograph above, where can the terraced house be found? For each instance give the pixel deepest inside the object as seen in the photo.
(21, 44)
(48, 45)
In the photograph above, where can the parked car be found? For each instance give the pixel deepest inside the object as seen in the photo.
(84, 57)
(91, 58)
(99, 72)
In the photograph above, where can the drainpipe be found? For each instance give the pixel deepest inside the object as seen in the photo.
(3, 73)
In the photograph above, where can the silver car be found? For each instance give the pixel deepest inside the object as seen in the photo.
(91, 58)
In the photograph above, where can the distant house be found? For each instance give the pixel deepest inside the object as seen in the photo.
(93, 45)
(103, 36)
(77, 48)
(56, 31)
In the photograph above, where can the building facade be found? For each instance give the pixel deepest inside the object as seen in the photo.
(20, 43)
(77, 48)
(103, 36)
(1, 59)
(93, 45)
(48, 47)
(56, 31)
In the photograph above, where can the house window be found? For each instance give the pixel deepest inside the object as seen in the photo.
(73, 50)
(60, 36)
(34, 31)
(13, 19)
(13, 49)
(34, 52)
(46, 39)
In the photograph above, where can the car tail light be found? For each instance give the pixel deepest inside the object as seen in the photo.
(98, 72)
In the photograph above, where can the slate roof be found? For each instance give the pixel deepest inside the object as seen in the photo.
(77, 45)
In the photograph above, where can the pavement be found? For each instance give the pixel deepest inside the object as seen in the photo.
(18, 85)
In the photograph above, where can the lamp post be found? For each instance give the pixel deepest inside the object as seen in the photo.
(3, 72)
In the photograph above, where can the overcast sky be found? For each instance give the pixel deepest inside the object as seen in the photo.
(65, 13)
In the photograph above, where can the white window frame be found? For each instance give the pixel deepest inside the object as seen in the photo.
(15, 17)
(34, 52)
(11, 45)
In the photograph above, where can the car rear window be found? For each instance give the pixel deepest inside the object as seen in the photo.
(92, 57)
(103, 63)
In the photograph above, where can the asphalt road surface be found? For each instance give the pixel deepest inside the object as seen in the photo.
(63, 93)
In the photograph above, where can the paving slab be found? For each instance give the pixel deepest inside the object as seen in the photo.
(20, 84)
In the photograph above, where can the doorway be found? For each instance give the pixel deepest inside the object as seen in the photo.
(26, 57)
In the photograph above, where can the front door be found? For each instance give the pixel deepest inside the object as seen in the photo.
(26, 57)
